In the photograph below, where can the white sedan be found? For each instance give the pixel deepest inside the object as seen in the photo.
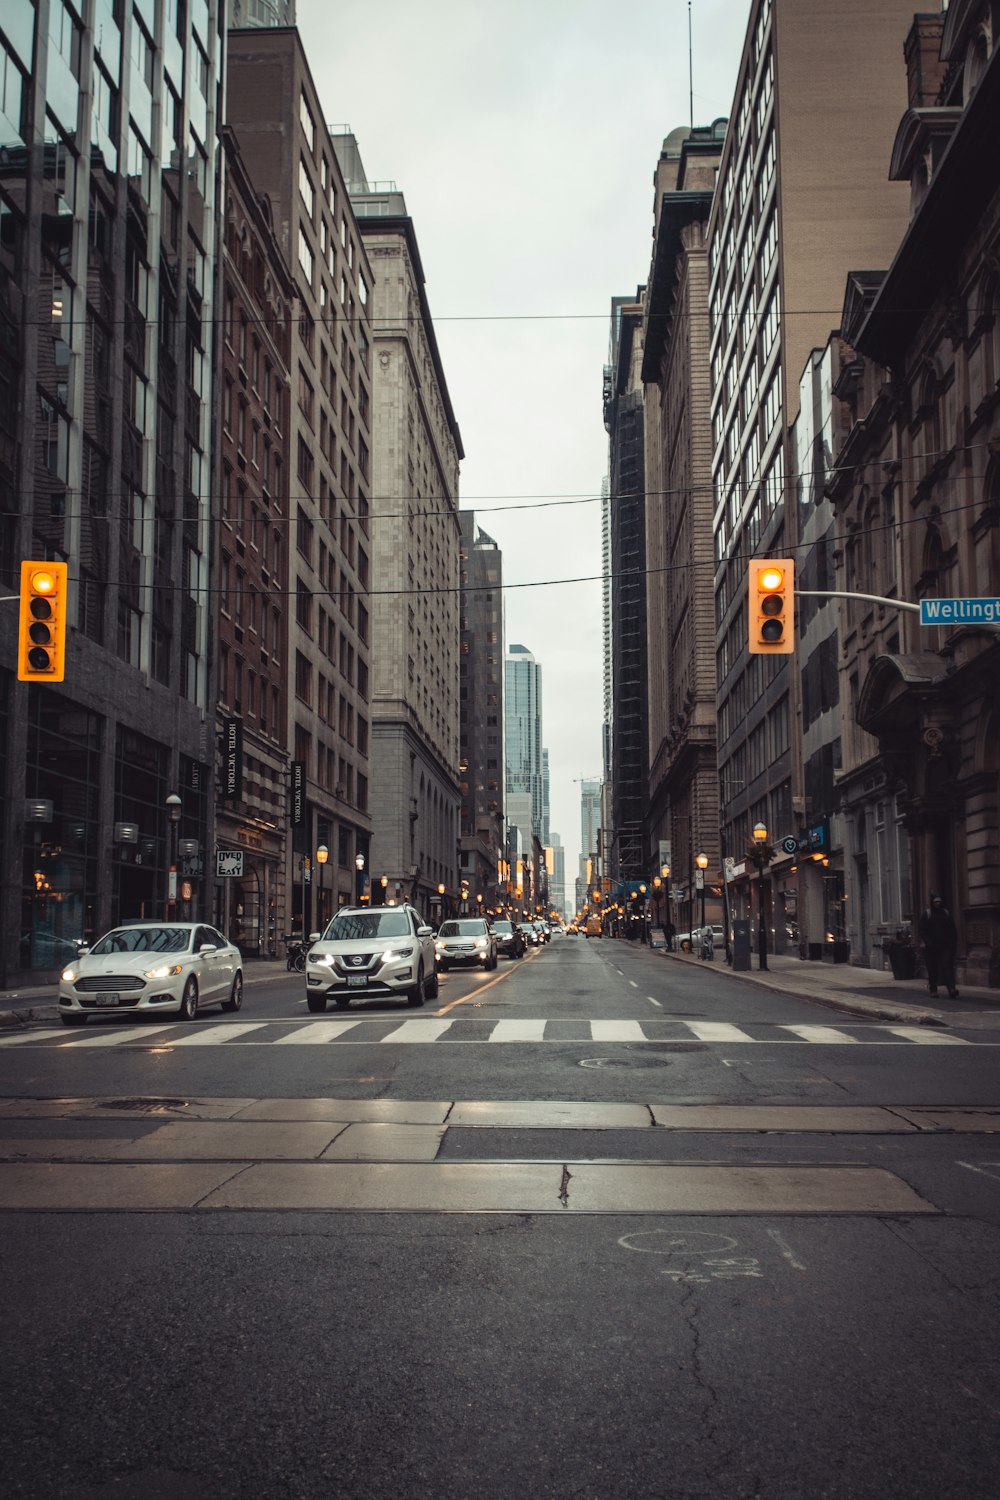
(142, 967)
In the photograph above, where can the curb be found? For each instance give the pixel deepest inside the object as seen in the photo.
(879, 1010)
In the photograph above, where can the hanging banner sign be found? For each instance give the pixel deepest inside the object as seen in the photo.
(297, 812)
(232, 760)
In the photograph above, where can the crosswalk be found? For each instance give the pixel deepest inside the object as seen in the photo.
(468, 1031)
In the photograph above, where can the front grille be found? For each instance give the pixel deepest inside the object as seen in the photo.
(102, 984)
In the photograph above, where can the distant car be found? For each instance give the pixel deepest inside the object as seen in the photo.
(143, 967)
(371, 950)
(466, 940)
(592, 927)
(510, 938)
(532, 936)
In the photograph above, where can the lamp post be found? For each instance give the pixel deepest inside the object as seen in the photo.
(760, 854)
(643, 935)
(383, 886)
(173, 816)
(701, 860)
(440, 903)
(322, 855)
(359, 866)
(665, 876)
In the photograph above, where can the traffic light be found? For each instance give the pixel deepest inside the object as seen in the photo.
(772, 606)
(41, 641)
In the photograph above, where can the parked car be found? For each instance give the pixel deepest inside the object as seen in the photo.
(141, 967)
(466, 940)
(532, 936)
(371, 950)
(510, 938)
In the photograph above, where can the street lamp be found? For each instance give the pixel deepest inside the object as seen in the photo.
(384, 883)
(701, 860)
(359, 865)
(322, 855)
(174, 816)
(760, 853)
(440, 903)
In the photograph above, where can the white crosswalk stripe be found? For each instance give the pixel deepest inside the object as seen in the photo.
(383, 1030)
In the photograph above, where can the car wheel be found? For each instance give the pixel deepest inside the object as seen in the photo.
(416, 995)
(189, 1001)
(235, 1000)
(317, 1003)
(432, 989)
(73, 1020)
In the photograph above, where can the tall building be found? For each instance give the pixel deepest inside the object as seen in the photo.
(277, 116)
(108, 202)
(523, 731)
(416, 539)
(624, 421)
(590, 833)
(683, 818)
(481, 759)
(555, 860)
(251, 627)
(802, 198)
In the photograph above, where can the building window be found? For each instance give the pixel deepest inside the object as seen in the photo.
(307, 122)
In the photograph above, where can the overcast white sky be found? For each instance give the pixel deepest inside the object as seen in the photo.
(524, 135)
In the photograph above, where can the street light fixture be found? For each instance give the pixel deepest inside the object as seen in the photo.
(173, 814)
(701, 860)
(359, 865)
(322, 855)
(761, 854)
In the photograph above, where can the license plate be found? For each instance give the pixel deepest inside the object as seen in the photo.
(106, 1000)
(357, 981)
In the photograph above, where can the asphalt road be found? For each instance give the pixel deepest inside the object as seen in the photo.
(606, 1335)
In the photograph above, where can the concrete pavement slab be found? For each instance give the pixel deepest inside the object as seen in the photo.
(781, 1117)
(734, 1190)
(111, 1188)
(386, 1143)
(546, 1114)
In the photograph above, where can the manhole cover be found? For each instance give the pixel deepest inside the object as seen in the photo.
(147, 1106)
(650, 1056)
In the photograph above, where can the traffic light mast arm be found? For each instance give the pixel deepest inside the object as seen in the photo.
(871, 598)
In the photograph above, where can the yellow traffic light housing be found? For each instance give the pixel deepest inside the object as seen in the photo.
(41, 641)
(772, 606)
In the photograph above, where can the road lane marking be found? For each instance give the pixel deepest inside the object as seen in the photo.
(927, 1038)
(316, 1031)
(518, 1031)
(654, 1002)
(116, 1037)
(617, 1031)
(211, 1035)
(826, 1034)
(418, 1031)
(718, 1031)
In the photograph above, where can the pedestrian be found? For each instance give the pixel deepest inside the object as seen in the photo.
(940, 939)
(669, 933)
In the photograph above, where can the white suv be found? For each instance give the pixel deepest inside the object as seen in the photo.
(371, 950)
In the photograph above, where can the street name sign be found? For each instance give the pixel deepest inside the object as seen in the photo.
(960, 611)
(229, 862)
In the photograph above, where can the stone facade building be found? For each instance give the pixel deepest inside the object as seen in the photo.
(683, 815)
(252, 565)
(277, 116)
(917, 493)
(415, 548)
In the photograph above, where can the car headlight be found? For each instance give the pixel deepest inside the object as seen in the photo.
(163, 971)
(439, 947)
(391, 955)
(326, 959)
(70, 975)
(481, 942)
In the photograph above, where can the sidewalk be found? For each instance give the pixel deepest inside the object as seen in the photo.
(861, 992)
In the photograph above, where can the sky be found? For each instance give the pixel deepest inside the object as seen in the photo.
(524, 135)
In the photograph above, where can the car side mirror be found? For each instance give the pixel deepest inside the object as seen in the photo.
(208, 948)
(314, 937)
(425, 932)
(81, 951)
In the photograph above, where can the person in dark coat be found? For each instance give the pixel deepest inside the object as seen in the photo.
(940, 939)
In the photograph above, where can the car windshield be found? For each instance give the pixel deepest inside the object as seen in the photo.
(503, 926)
(474, 927)
(144, 940)
(349, 927)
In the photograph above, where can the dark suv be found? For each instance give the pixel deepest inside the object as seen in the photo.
(510, 938)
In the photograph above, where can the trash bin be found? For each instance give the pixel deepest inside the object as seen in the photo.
(741, 943)
(902, 960)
